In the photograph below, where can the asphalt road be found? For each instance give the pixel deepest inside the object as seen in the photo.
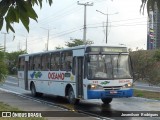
(145, 86)
(118, 106)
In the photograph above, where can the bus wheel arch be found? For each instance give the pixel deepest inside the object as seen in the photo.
(69, 92)
(33, 90)
(31, 83)
(68, 86)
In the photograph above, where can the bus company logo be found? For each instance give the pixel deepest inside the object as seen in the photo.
(105, 83)
(56, 76)
(36, 74)
(6, 114)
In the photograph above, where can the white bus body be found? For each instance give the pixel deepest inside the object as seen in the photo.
(83, 72)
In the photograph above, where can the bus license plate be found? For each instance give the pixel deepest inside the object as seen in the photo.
(113, 92)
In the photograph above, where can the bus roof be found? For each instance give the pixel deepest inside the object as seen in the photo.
(72, 48)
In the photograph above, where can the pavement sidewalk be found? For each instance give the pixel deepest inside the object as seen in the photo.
(25, 104)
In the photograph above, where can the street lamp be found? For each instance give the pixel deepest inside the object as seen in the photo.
(47, 37)
(106, 21)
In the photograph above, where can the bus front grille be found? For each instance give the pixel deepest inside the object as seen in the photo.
(112, 88)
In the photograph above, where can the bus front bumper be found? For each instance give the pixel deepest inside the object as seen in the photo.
(97, 94)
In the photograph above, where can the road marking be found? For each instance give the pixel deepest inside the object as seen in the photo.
(147, 86)
(55, 105)
(9, 91)
(11, 82)
(12, 77)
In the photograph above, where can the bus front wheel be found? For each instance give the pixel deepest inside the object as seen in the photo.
(106, 100)
(71, 97)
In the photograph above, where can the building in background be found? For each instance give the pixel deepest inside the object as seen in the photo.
(153, 31)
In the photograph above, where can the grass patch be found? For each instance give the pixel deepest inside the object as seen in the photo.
(147, 94)
(5, 107)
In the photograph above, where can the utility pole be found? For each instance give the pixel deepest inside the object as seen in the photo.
(107, 29)
(19, 46)
(26, 44)
(4, 41)
(106, 22)
(84, 29)
(48, 30)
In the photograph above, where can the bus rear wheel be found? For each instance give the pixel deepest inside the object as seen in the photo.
(71, 97)
(33, 91)
(106, 100)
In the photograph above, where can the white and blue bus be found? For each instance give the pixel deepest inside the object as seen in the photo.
(78, 73)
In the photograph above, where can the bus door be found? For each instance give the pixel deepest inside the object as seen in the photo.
(26, 72)
(79, 77)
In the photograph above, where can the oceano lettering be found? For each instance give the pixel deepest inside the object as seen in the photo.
(56, 76)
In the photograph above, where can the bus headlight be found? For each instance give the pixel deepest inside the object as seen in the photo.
(95, 87)
(128, 85)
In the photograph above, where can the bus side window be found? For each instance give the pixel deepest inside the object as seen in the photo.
(37, 62)
(66, 60)
(31, 67)
(21, 63)
(55, 58)
(46, 62)
(62, 65)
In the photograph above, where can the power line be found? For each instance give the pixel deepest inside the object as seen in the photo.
(117, 21)
(58, 12)
(117, 25)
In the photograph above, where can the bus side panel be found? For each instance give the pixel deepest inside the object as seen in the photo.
(45, 82)
(49, 87)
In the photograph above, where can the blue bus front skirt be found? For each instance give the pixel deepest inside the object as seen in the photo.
(97, 94)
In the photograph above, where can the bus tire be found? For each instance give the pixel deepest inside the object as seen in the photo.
(71, 97)
(106, 100)
(39, 94)
(33, 91)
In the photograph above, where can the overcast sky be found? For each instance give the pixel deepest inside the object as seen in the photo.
(64, 19)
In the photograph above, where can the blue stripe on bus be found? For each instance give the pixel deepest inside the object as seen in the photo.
(97, 94)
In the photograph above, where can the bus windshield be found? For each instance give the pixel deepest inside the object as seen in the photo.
(108, 67)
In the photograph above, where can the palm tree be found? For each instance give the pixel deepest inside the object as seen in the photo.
(150, 5)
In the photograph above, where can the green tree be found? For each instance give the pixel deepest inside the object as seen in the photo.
(157, 55)
(146, 65)
(12, 60)
(12, 11)
(77, 42)
(3, 67)
(58, 47)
